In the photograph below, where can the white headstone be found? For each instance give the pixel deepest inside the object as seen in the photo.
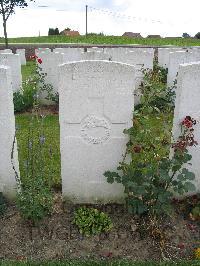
(177, 58)
(163, 55)
(115, 53)
(95, 55)
(21, 53)
(95, 49)
(150, 50)
(13, 61)
(187, 104)
(96, 105)
(7, 132)
(49, 67)
(141, 60)
(71, 54)
(40, 50)
(139, 57)
(6, 51)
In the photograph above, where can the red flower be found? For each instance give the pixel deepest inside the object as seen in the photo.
(181, 245)
(137, 149)
(180, 145)
(39, 60)
(191, 227)
(188, 122)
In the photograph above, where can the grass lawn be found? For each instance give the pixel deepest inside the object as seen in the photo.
(51, 147)
(93, 263)
(28, 69)
(118, 40)
(51, 132)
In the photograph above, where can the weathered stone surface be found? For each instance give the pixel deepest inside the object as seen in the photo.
(187, 103)
(96, 104)
(40, 50)
(6, 51)
(13, 61)
(21, 53)
(177, 58)
(71, 54)
(7, 132)
(163, 55)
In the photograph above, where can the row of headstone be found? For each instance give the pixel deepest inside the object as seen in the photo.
(138, 57)
(171, 58)
(177, 58)
(20, 52)
(13, 61)
(96, 105)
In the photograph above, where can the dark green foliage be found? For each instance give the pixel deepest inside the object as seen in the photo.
(92, 34)
(197, 35)
(3, 205)
(53, 31)
(24, 99)
(56, 31)
(186, 35)
(155, 92)
(35, 200)
(91, 221)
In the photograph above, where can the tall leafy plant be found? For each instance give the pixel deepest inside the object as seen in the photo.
(152, 175)
(35, 197)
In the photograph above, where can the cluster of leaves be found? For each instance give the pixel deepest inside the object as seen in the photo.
(193, 205)
(154, 90)
(32, 89)
(24, 99)
(196, 212)
(91, 221)
(35, 198)
(149, 173)
(3, 205)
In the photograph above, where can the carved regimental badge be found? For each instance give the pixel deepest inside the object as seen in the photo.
(95, 130)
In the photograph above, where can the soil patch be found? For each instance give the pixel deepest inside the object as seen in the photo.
(57, 238)
(45, 110)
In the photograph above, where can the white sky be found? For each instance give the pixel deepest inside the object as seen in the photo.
(167, 18)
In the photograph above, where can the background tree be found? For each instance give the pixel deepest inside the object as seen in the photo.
(56, 32)
(51, 31)
(7, 8)
(186, 35)
(197, 35)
